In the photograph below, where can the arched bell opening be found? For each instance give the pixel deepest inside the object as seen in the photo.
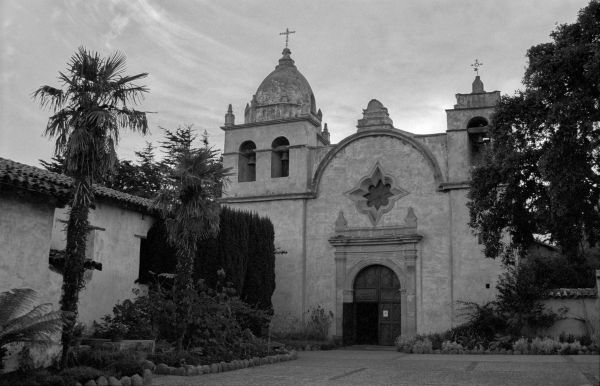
(280, 157)
(478, 131)
(247, 162)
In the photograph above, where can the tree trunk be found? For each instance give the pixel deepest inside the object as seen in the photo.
(184, 285)
(77, 229)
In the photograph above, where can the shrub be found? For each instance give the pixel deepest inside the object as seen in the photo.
(544, 346)
(131, 319)
(521, 346)
(102, 358)
(126, 367)
(176, 359)
(405, 343)
(518, 300)
(80, 374)
(449, 347)
(315, 327)
(570, 348)
(318, 323)
(423, 346)
(436, 341)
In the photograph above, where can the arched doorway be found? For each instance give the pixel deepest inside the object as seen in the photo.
(374, 317)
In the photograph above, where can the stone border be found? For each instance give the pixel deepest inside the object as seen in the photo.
(187, 370)
(190, 370)
(134, 380)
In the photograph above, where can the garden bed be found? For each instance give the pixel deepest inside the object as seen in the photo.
(431, 344)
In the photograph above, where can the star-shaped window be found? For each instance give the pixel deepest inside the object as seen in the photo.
(375, 194)
(378, 195)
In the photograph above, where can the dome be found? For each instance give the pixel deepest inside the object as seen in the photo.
(284, 93)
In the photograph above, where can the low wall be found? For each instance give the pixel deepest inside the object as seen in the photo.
(582, 316)
(580, 309)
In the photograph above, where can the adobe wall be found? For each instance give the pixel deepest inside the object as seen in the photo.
(25, 234)
(114, 242)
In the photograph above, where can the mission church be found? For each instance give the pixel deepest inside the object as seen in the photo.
(375, 226)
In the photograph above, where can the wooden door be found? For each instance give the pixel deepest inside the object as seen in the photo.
(379, 286)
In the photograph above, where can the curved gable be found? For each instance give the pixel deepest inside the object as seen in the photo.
(429, 157)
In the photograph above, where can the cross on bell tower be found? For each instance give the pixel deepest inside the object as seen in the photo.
(287, 34)
(476, 66)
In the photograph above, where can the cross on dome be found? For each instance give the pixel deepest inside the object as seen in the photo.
(287, 34)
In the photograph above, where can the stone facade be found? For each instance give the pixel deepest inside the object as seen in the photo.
(382, 196)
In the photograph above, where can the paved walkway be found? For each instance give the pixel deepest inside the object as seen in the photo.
(366, 367)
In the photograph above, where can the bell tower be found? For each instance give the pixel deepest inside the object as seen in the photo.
(467, 129)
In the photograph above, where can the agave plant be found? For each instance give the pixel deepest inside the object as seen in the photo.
(22, 321)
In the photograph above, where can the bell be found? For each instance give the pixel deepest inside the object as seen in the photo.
(285, 156)
(252, 159)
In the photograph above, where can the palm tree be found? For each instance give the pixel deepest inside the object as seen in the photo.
(188, 203)
(89, 112)
(22, 321)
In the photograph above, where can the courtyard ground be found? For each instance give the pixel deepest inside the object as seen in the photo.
(386, 367)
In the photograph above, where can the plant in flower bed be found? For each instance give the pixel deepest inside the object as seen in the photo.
(50, 377)
(314, 328)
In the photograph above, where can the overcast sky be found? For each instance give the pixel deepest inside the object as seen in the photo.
(413, 56)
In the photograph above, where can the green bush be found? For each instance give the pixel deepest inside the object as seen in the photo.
(544, 346)
(80, 374)
(449, 347)
(521, 346)
(405, 343)
(176, 359)
(423, 346)
(572, 348)
(101, 358)
(315, 325)
(125, 367)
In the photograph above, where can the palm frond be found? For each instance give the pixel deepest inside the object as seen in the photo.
(15, 302)
(50, 97)
(20, 321)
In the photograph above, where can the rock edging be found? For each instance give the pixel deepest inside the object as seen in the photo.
(135, 380)
(190, 370)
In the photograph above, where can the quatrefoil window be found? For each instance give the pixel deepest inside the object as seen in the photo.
(375, 194)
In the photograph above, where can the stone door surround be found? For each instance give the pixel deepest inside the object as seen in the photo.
(395, 247)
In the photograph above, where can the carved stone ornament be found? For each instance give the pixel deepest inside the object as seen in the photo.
(375, 194)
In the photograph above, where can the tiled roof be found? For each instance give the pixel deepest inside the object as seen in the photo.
(58, 185)
(572, 293)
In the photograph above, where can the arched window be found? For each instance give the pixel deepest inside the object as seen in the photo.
(247, 162)
(280, 157)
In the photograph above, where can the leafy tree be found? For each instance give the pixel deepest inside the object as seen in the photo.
(191, 212)
(88, 114)
(22, 321)
(542, 173)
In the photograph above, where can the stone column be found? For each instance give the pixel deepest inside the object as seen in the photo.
(409, 306)
(340, 285)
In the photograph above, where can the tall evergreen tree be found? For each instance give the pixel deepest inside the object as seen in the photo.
(190, 210)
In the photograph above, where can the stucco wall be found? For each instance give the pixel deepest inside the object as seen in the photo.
(25, 233)
(412, 172)
(301, 136)
(287, 219)
(474, 275)
(114, 242)
(580, 312)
